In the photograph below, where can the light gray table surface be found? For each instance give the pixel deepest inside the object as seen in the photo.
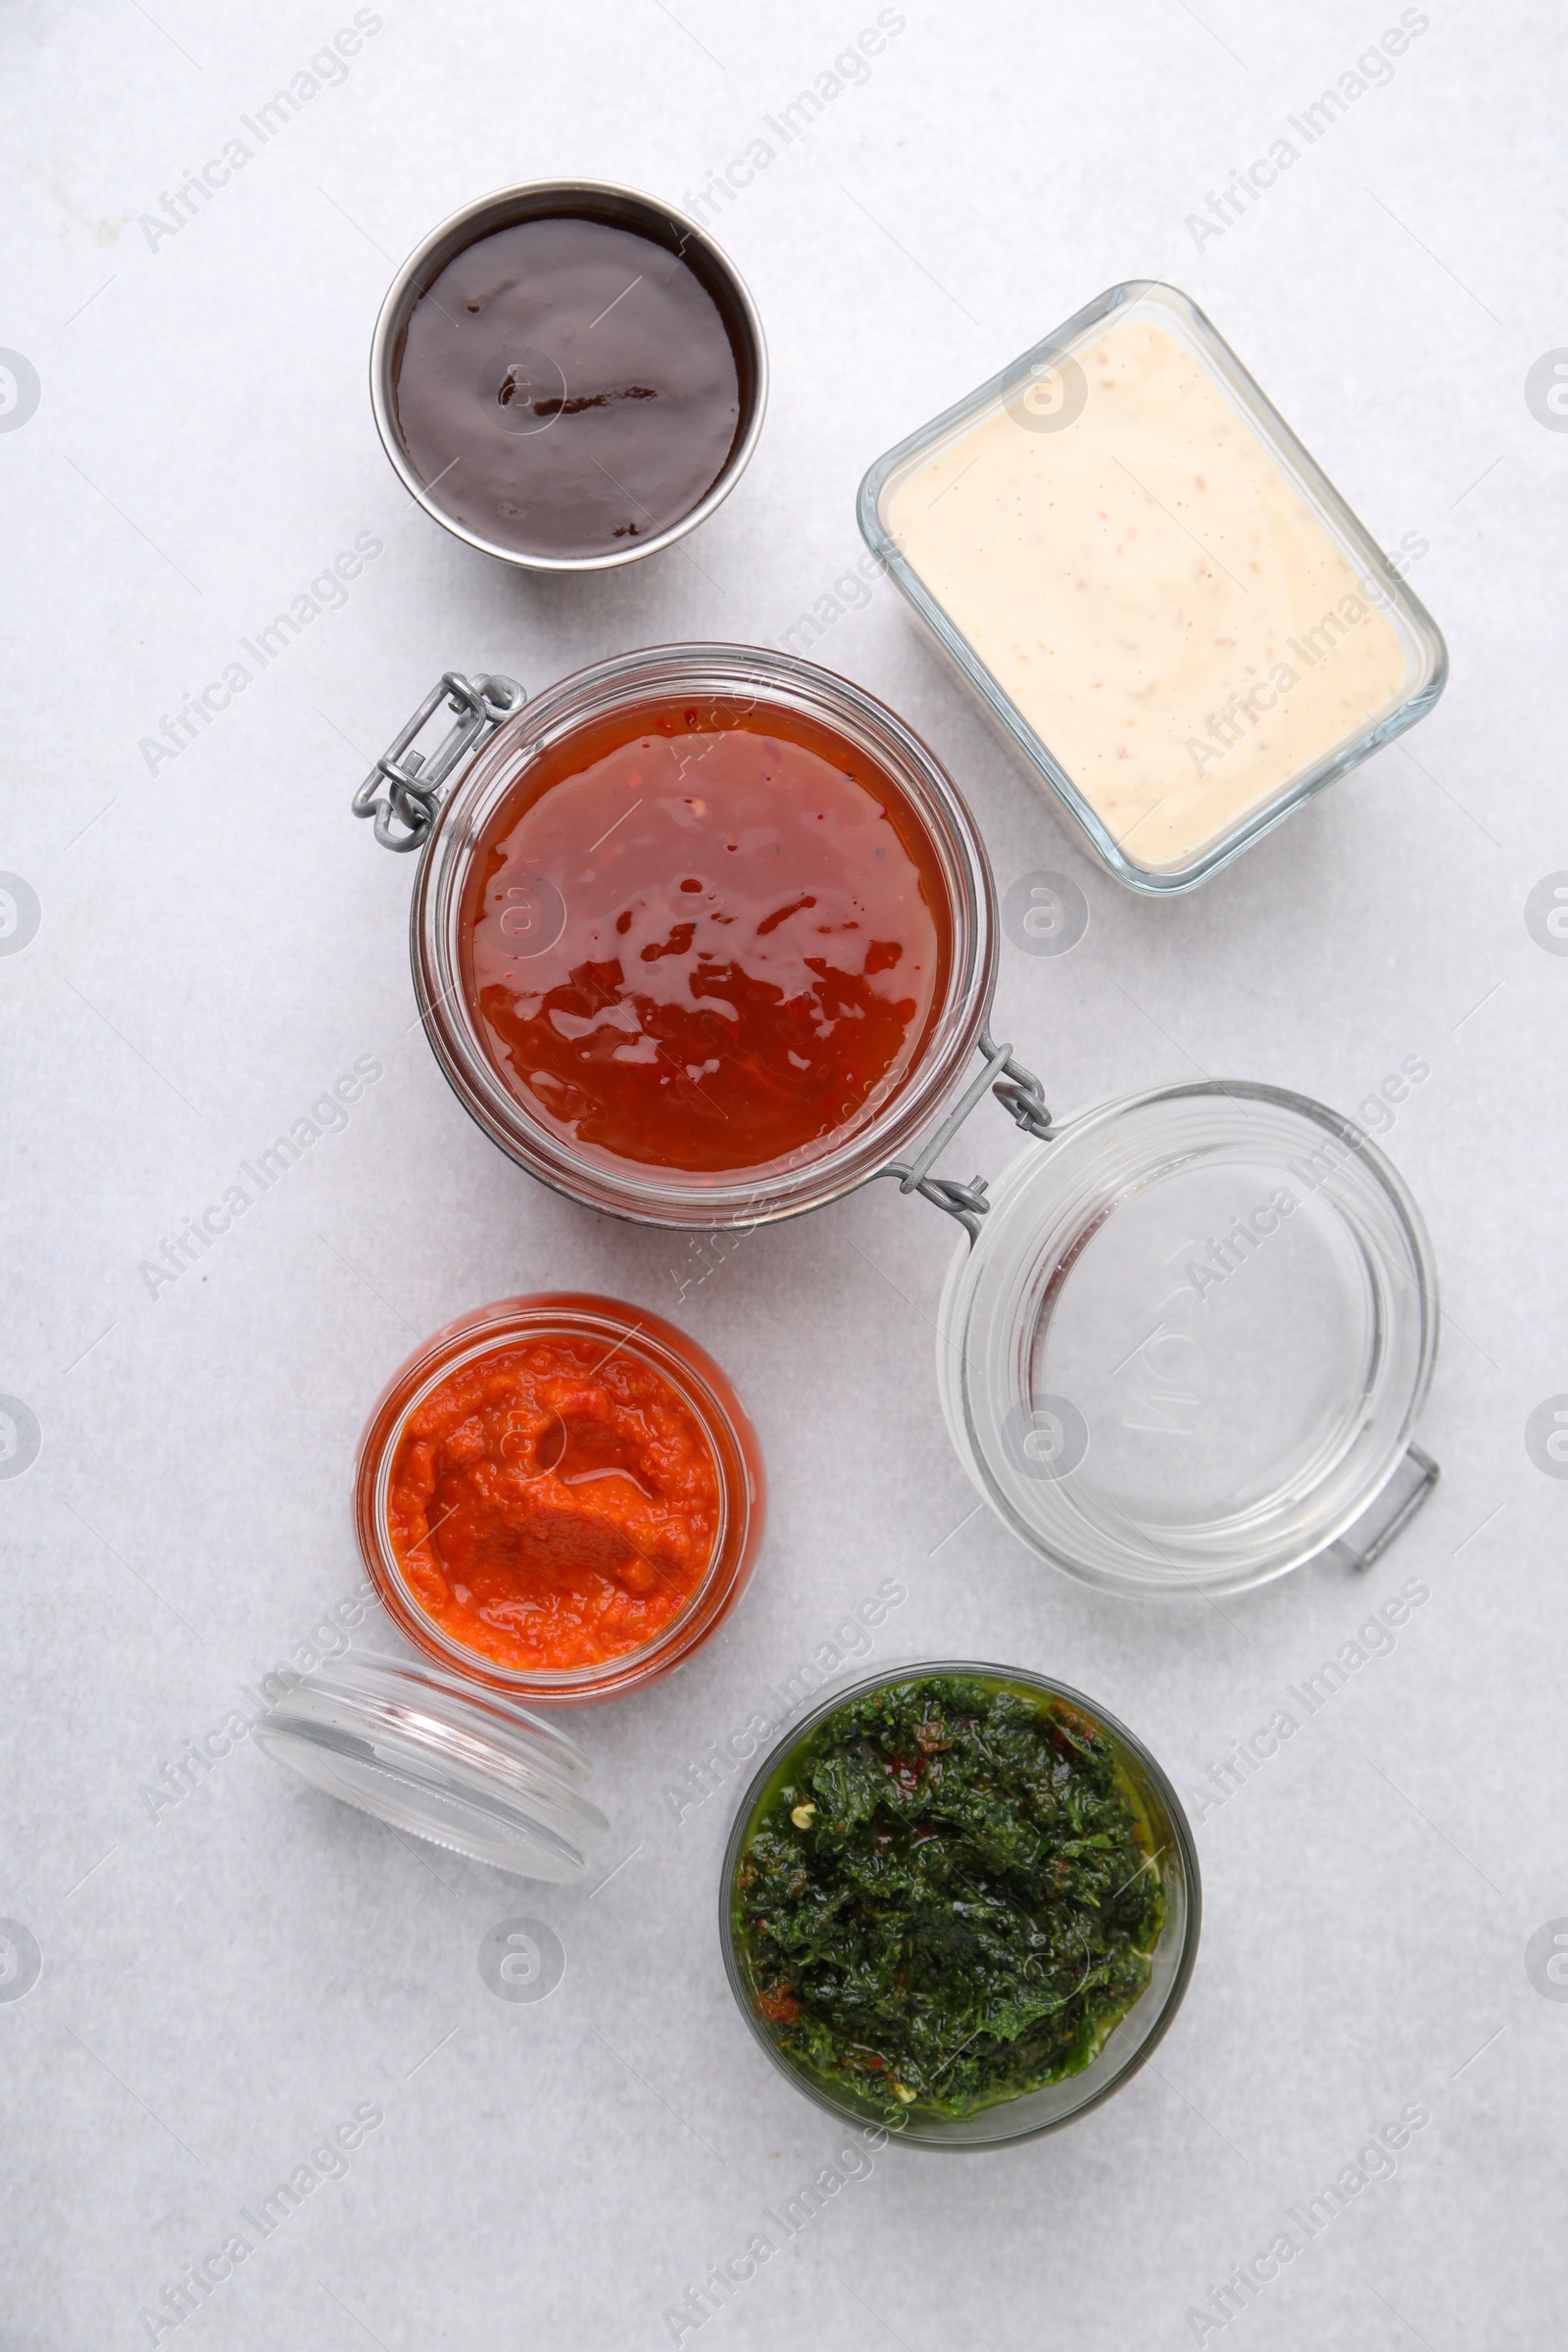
(226, 1977)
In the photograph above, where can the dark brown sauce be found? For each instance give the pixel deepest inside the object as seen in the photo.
(567, 388)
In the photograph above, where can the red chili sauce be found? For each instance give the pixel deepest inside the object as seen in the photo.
(551, 1507)
(704, 939)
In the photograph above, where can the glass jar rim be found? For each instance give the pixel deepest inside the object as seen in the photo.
(643, 1193)
(1186, 1875)
(701, 1386)
(1049, 1205)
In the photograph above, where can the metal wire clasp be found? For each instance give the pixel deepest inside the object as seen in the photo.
(1020, 1094)
(412, 779)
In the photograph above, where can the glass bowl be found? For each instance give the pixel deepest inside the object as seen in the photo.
(1072, 559)
(1164, 1830)
(617, 1329)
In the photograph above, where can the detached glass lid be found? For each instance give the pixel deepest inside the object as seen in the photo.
(1189, 1345)
(443, 1759)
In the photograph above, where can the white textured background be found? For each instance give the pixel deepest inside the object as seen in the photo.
(219, 942)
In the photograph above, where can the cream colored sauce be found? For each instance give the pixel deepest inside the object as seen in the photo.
(1168, 615)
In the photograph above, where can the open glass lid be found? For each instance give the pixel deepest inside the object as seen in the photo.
(443, 1759)
(1187, 1348)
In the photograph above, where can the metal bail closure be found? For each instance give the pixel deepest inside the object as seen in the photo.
(1387, 1515)
(412, 779)
(1021, 1096)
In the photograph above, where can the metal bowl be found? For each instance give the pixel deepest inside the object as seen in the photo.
(617, 208)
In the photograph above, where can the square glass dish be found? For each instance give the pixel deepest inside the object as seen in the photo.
(1151, 587)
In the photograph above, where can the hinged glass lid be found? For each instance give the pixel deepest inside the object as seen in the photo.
(1189, 1345)
(443, 1759)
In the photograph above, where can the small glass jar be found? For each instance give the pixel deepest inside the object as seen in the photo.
(603, 1325)
(1188, 1350)
(1168, 1840)
(1150, 589)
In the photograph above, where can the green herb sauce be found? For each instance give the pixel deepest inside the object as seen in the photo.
(947, 1896)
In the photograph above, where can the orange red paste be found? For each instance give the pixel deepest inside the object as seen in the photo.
(551, 1507)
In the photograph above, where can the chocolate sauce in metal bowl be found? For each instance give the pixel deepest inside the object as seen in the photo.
(569, 375)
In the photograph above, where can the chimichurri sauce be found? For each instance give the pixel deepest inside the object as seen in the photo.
(947, 1896)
